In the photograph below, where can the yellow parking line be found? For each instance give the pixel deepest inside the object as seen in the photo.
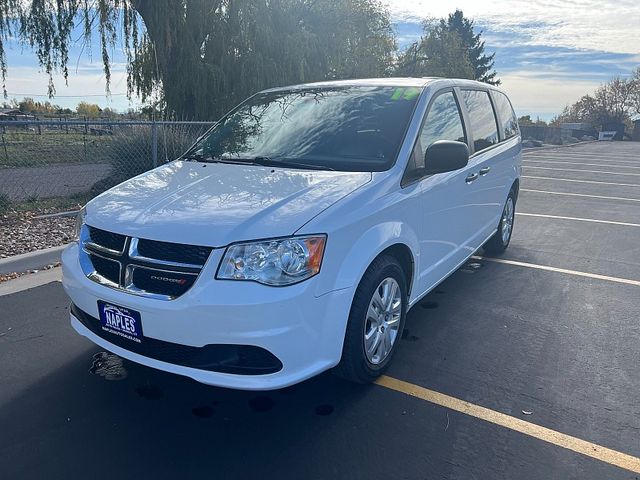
(578, 219)
(574, 444)
(595, 276)
(580, 195)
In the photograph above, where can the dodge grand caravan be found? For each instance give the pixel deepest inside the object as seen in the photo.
(294, 235)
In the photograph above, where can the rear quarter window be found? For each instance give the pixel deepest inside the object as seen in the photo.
(507, 115)
(483, 121)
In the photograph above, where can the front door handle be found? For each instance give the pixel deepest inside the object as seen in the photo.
(484, 171)
(472, 177)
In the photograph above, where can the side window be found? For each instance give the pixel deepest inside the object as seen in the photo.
(507, 115)
(443, 122)
(483, 121)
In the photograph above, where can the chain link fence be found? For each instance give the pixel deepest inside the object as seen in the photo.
(57, 159)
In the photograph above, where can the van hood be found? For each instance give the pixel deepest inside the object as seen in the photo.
(214, 204)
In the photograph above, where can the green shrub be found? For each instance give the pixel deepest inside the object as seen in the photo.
(131, 150)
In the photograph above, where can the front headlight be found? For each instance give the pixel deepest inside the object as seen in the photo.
(277, 262)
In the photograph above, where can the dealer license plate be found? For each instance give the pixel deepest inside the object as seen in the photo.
(120, 321)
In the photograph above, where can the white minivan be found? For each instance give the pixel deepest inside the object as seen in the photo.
(295, 234)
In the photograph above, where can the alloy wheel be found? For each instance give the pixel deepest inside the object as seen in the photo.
(382, 321)
(507, 220)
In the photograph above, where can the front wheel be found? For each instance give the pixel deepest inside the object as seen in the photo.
(500, 240)
(375, 322)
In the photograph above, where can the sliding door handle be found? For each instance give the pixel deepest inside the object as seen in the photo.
(472, 177)
(484, 171)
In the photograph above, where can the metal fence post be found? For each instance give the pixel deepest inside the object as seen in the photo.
(154, 144)
(4, 144)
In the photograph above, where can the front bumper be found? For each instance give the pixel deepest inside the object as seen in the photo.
(303, 331)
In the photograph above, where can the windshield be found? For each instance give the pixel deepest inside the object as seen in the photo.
(354, 128)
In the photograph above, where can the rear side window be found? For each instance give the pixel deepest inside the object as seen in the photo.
(483, 121)
(507, 115)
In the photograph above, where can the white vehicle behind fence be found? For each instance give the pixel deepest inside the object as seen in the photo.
(293, 237)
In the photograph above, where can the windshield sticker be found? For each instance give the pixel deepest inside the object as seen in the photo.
(411, 93)
(405, 93)
(397, 94)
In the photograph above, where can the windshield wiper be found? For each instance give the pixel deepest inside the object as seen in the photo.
(262, 160)
(285, 162)
(199, 157)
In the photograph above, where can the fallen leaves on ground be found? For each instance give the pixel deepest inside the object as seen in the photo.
(21, 232)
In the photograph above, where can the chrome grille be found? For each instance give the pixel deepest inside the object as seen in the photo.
(144, 267)
(108, 268)
(108, 241)
(173, 252)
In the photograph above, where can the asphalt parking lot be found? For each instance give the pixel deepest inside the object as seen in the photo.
(548, 335)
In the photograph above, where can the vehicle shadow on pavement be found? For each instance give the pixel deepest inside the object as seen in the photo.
(70, 410)
(75, 421)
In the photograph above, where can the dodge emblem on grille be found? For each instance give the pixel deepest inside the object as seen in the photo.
(179, 281)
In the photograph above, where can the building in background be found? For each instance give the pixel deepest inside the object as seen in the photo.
(14, 114)
(635, 135)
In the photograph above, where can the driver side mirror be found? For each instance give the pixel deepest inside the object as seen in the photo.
(445, 156)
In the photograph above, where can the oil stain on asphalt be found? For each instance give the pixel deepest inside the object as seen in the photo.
(471, 267)
(108, 366)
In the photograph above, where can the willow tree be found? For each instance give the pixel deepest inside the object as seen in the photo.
(203, 56)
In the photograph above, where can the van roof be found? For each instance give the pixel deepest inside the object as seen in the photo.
(387, 82)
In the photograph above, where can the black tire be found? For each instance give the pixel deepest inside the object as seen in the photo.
(499, 243)
(354, 365)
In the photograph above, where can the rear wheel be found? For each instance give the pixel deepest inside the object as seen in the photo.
(500, 240)
(375, 322)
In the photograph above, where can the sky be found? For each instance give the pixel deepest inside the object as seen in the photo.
(548, 52)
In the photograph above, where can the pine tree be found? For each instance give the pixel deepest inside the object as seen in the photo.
(438, 53)
(482, 64)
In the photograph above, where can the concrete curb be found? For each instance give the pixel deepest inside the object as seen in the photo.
(31, 260)
(69, 213)
(30, 281)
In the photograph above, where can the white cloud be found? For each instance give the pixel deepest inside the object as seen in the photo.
(604, 25)
(550, 94)
(87, 84)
